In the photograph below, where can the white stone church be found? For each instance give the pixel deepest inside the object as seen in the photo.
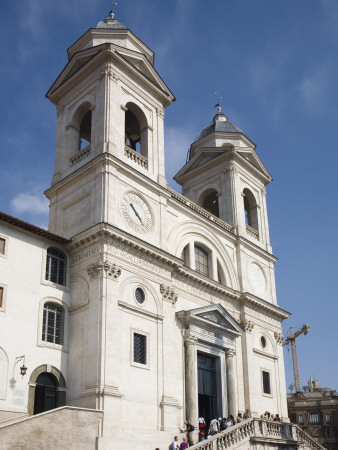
(139, 308)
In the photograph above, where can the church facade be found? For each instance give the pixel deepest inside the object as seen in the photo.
(151, 306)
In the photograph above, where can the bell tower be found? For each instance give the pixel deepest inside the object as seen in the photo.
(110, 109)
(226, 177)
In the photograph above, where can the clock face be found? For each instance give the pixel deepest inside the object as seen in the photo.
(256, 278)
(136, 212)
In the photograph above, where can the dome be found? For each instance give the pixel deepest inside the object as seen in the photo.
(219, 124)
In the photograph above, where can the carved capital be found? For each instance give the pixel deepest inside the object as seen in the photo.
(188, 338)
(168, 293)
(112, 270)
(230, 353)
(95, 269)
(278, 337)
(231, 168)
(160, 112)
(247, 325)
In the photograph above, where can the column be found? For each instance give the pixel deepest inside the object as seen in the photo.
(231, 382)
(190, 384)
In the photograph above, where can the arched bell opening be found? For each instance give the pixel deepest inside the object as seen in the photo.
(136, 127)
(85, 135)
(250, 209)
(80, 128)
(209, 201)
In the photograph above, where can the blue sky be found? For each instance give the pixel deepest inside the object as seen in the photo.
(275, 64)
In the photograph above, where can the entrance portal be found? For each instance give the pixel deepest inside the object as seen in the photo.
(45, 393)
(208, 391)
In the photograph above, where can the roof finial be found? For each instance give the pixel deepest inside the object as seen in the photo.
(111, 14)
(218, 104)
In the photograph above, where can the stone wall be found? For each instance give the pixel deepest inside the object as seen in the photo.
(59, 429)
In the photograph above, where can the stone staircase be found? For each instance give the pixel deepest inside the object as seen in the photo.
(259, 433)
(70, 428)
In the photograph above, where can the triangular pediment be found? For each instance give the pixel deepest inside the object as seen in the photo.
(217, 318)
(201, 158)
(207, 156)
(135, 60)
(212, 317)
(251, 156)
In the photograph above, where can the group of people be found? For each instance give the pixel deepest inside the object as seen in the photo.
(176, 446)
(220, 424)
(216, 426)
(268, 416)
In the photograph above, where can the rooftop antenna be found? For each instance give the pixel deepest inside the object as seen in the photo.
(218, 104)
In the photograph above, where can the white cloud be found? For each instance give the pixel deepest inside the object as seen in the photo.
(33, 203)
(313, 88)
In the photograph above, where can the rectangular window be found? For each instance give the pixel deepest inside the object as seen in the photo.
(327, 417)
(140, 348)
(1, 296)
(301, 419)
(2, 246)
(266, 382)
(313, 417)
(329, 432)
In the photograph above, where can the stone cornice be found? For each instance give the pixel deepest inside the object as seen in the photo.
(139, 310)
(167, 192)
(105, 232)
(247, 298)
(202, 280)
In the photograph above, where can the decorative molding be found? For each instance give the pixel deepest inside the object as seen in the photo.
(278, 337)
(111, 269)
(95, 269)
(160, 112)
(168, 293)
(247, 324)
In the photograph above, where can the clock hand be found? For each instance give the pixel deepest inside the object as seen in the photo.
(136, 213)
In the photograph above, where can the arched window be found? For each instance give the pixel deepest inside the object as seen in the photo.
(53, 323)
(85, 135)
(136, 129)
(56, 266)
(210, 202)
(250, 209)
(201, 261)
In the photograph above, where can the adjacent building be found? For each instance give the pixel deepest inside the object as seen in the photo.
(316, 412)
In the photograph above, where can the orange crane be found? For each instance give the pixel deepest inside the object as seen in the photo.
(292, 340)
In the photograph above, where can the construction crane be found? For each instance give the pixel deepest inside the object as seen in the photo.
(292, 340)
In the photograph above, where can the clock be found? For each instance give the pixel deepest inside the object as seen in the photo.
(256, 278)
(136, 212)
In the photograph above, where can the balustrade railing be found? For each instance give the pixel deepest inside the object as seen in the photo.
(80, 155)
(261, 429)
(252, 232)
(136, 157)
(200, 210)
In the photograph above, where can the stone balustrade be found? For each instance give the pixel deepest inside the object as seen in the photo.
(273, 434)
(136, 157)
(200, 210)
(80, 155)
(252, 232)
